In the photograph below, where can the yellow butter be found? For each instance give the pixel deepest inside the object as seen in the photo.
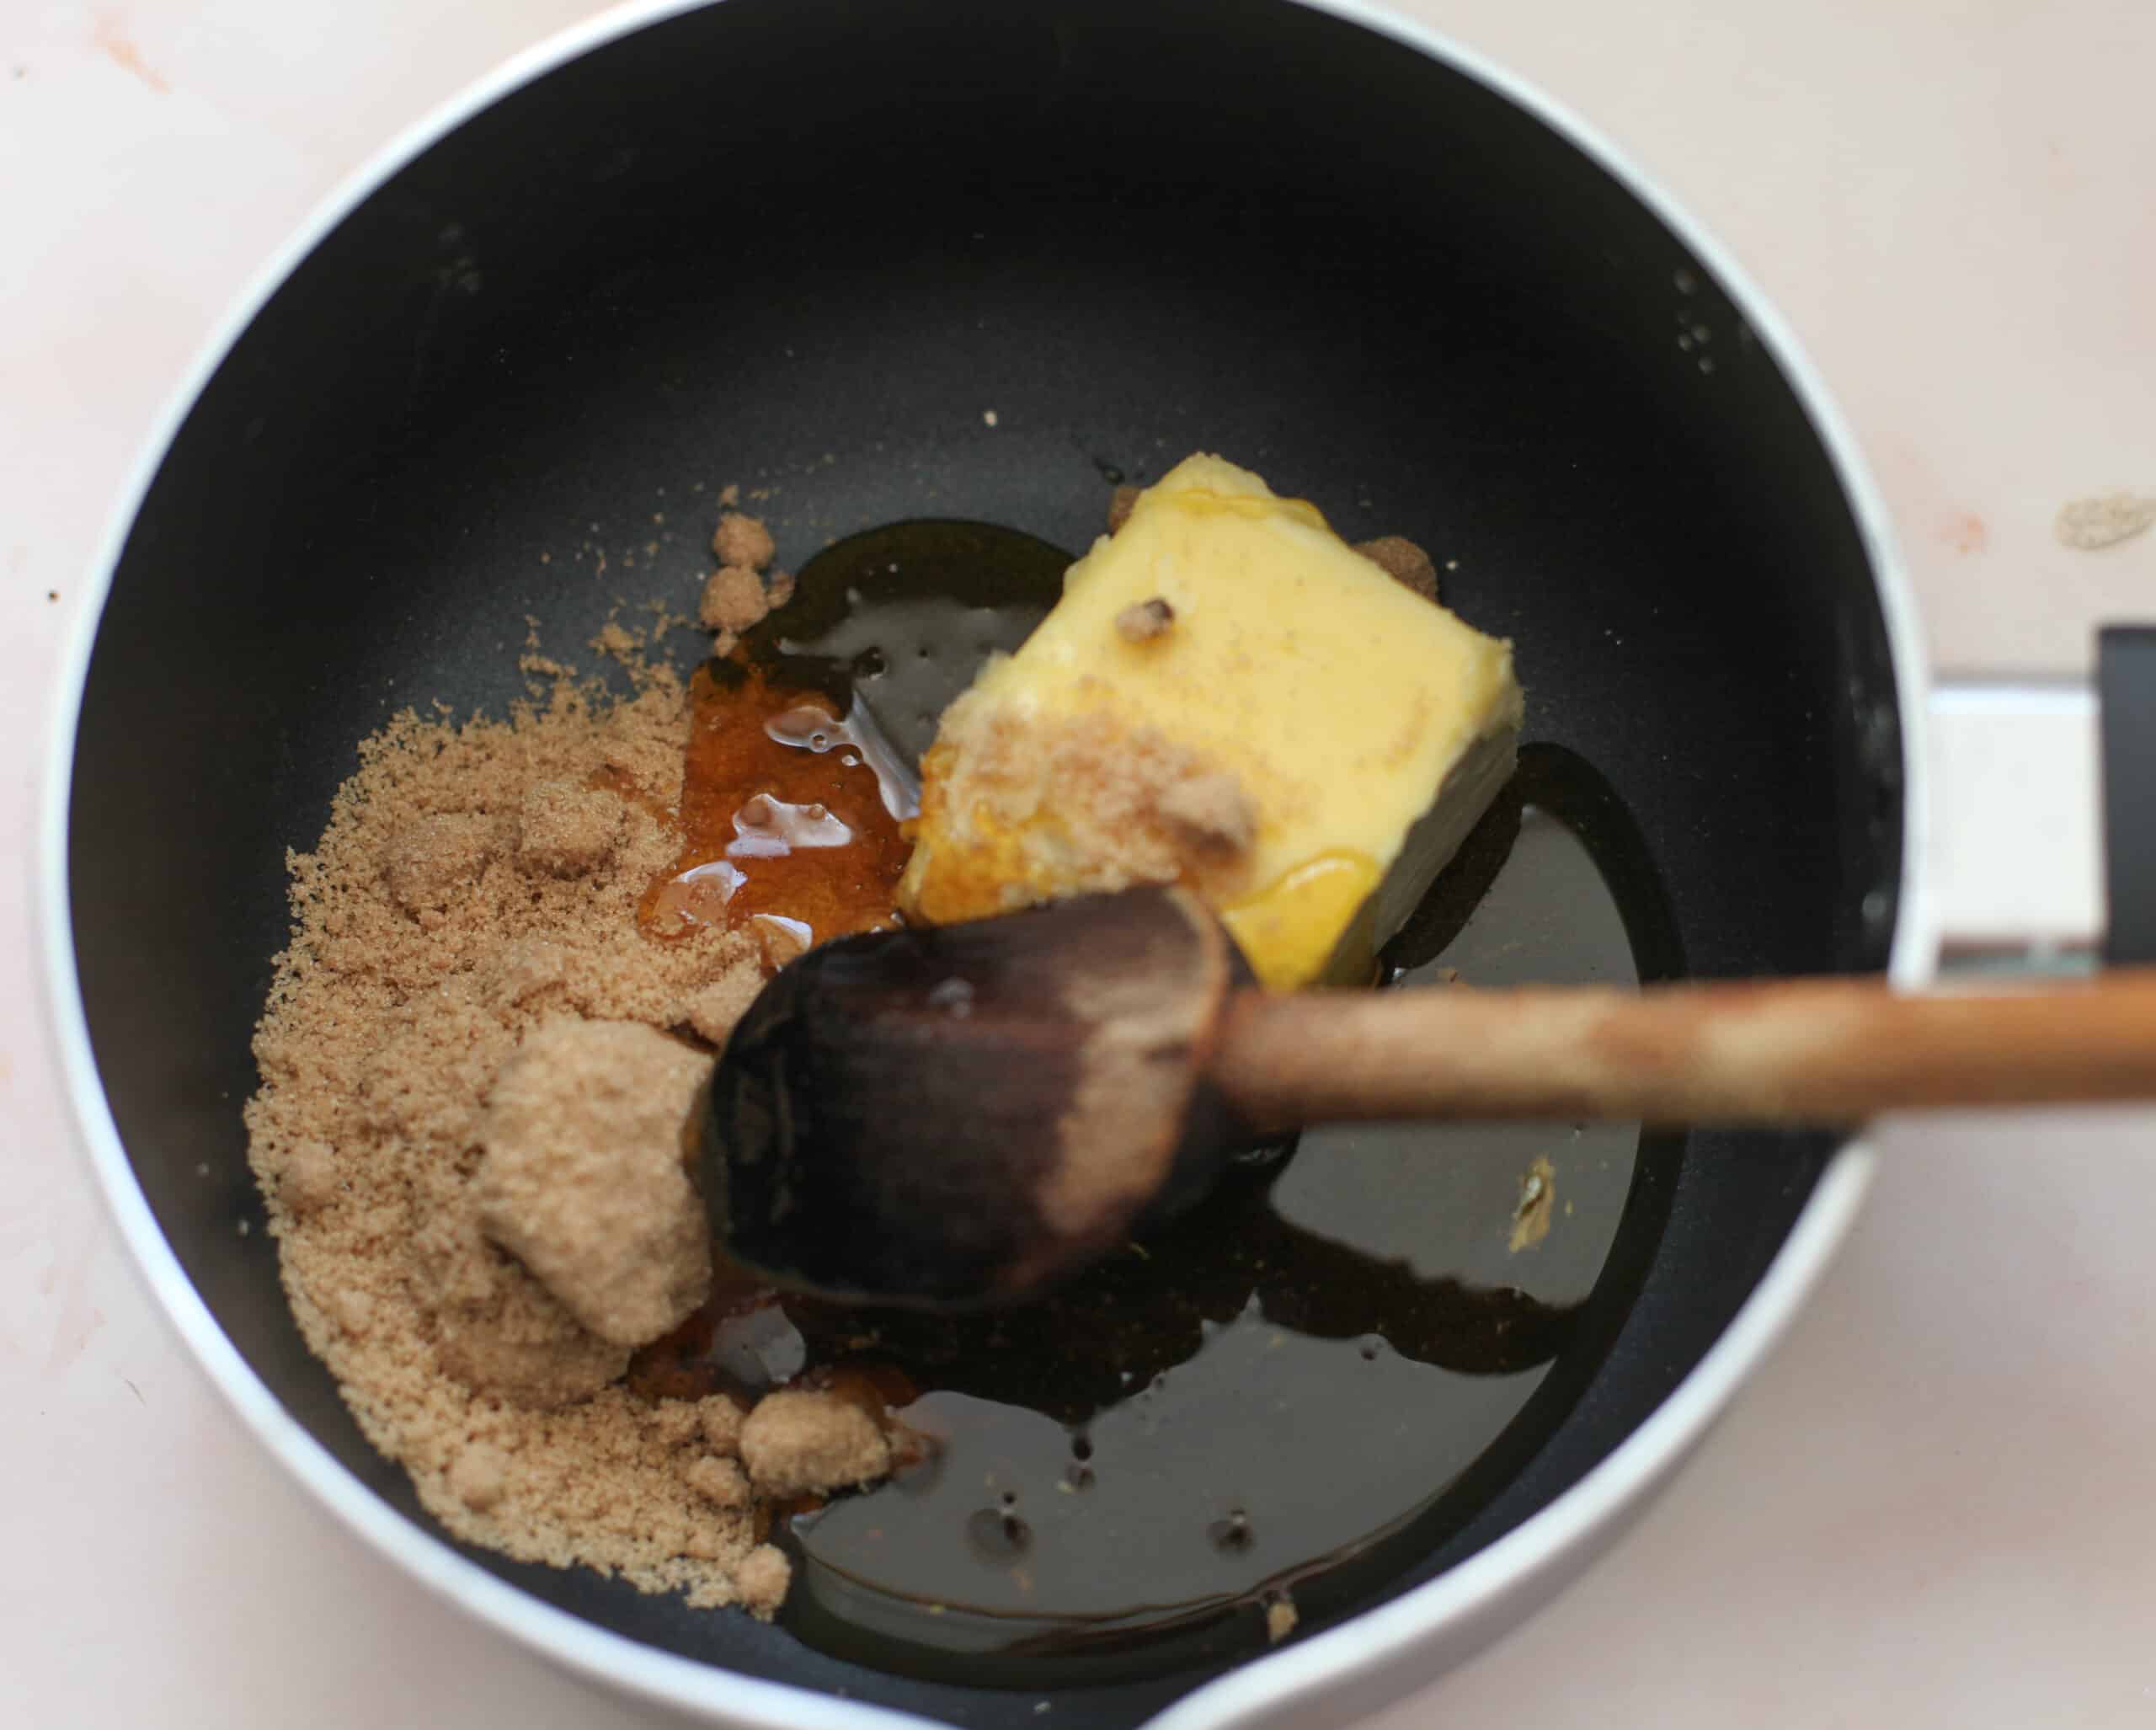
(1305, 741)
(1294, 927)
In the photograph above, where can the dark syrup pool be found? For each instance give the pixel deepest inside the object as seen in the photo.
(1303, 1383)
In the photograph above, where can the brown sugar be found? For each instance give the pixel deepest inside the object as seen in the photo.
(718, 1421)
(469, 915)
(424, 950)
(743, 541)
(732, 600)
(713, 1009)
(1132, 804)
(583, 1181)
(479, 1477)
(1211, 811)
(566, 830)
(762, 1578)
(1142, 621)
(496, 1329)
(309, 1180)
(805, 1442)
(1403, 561)
(430, 860)
(720, 1482)
(1538, 1202)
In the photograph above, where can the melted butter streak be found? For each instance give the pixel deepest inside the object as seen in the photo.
(808, 727)
(697, 896)
(765, 828)
(803, 933)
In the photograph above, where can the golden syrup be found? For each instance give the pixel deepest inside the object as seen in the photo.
(784, 816)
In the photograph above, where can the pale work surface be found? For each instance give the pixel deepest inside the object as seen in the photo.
(1936, 1504)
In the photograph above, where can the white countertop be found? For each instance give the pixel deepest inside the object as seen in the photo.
(1934, 1505)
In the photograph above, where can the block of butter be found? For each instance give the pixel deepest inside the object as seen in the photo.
(1230, 696)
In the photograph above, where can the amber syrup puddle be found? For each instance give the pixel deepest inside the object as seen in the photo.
(783, 816)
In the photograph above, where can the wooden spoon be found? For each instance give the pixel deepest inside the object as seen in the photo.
(970, 1113)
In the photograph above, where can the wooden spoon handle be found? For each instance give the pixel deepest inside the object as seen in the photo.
(1784, 1051)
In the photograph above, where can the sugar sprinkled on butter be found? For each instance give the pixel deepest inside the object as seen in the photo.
(1350, 730)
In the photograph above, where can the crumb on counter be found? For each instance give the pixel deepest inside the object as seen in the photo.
(2087, 525)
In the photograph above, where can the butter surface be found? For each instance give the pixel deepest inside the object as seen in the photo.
(1304, 740)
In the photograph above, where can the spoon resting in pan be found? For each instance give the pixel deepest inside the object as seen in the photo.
(970, 1113)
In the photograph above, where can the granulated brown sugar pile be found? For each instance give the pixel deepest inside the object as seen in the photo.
(476, 1067)
(471, 1050)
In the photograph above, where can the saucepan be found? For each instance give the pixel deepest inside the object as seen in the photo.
(981, 259)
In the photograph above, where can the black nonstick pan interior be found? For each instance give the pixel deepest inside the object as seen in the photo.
(816, 247)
